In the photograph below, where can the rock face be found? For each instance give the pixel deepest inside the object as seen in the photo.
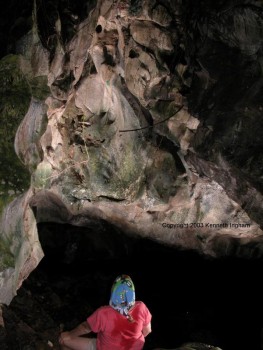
(148, 117)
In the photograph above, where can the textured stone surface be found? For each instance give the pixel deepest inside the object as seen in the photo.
(149, 117)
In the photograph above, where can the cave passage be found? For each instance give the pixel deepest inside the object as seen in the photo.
(191, 298)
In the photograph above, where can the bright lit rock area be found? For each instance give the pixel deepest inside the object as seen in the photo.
(139, 125)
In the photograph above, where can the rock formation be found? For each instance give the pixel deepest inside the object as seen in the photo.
(146, 115)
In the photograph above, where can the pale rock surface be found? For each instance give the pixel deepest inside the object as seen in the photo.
(117, 139)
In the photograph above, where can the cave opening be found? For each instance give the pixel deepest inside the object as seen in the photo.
(192, 298)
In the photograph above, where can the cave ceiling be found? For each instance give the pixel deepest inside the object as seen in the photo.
(146, 115)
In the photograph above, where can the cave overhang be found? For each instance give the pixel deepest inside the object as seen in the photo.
(212, 239)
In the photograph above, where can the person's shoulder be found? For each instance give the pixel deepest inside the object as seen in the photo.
(104, 309)
(140, 304)
(141, 309)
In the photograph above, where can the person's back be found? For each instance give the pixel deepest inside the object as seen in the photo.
(122, 325)
(116, 332)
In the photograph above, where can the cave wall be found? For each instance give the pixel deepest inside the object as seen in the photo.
(143, 114)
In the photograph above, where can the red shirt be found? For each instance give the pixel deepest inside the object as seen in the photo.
(114, 330)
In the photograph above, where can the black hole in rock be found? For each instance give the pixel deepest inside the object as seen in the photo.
(93, 69)
(98, 28)
(133, 54)
(191, 298)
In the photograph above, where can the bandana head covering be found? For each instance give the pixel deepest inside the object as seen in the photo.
(122, 295)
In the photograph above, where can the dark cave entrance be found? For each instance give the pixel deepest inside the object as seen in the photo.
(191, 298)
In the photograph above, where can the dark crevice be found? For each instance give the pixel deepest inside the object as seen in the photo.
(164, 143)
(98, 29)
(111, 199)
(133, 54)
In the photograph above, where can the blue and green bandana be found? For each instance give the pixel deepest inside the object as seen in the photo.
(122, 295)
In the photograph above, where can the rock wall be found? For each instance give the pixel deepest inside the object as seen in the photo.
(147, 116)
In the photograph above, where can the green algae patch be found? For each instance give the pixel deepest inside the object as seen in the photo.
(39, 87)
(42, 177)
(112, 176)
(15, 98)
(6, 257)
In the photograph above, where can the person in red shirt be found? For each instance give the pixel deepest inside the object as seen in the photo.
(121, 325)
